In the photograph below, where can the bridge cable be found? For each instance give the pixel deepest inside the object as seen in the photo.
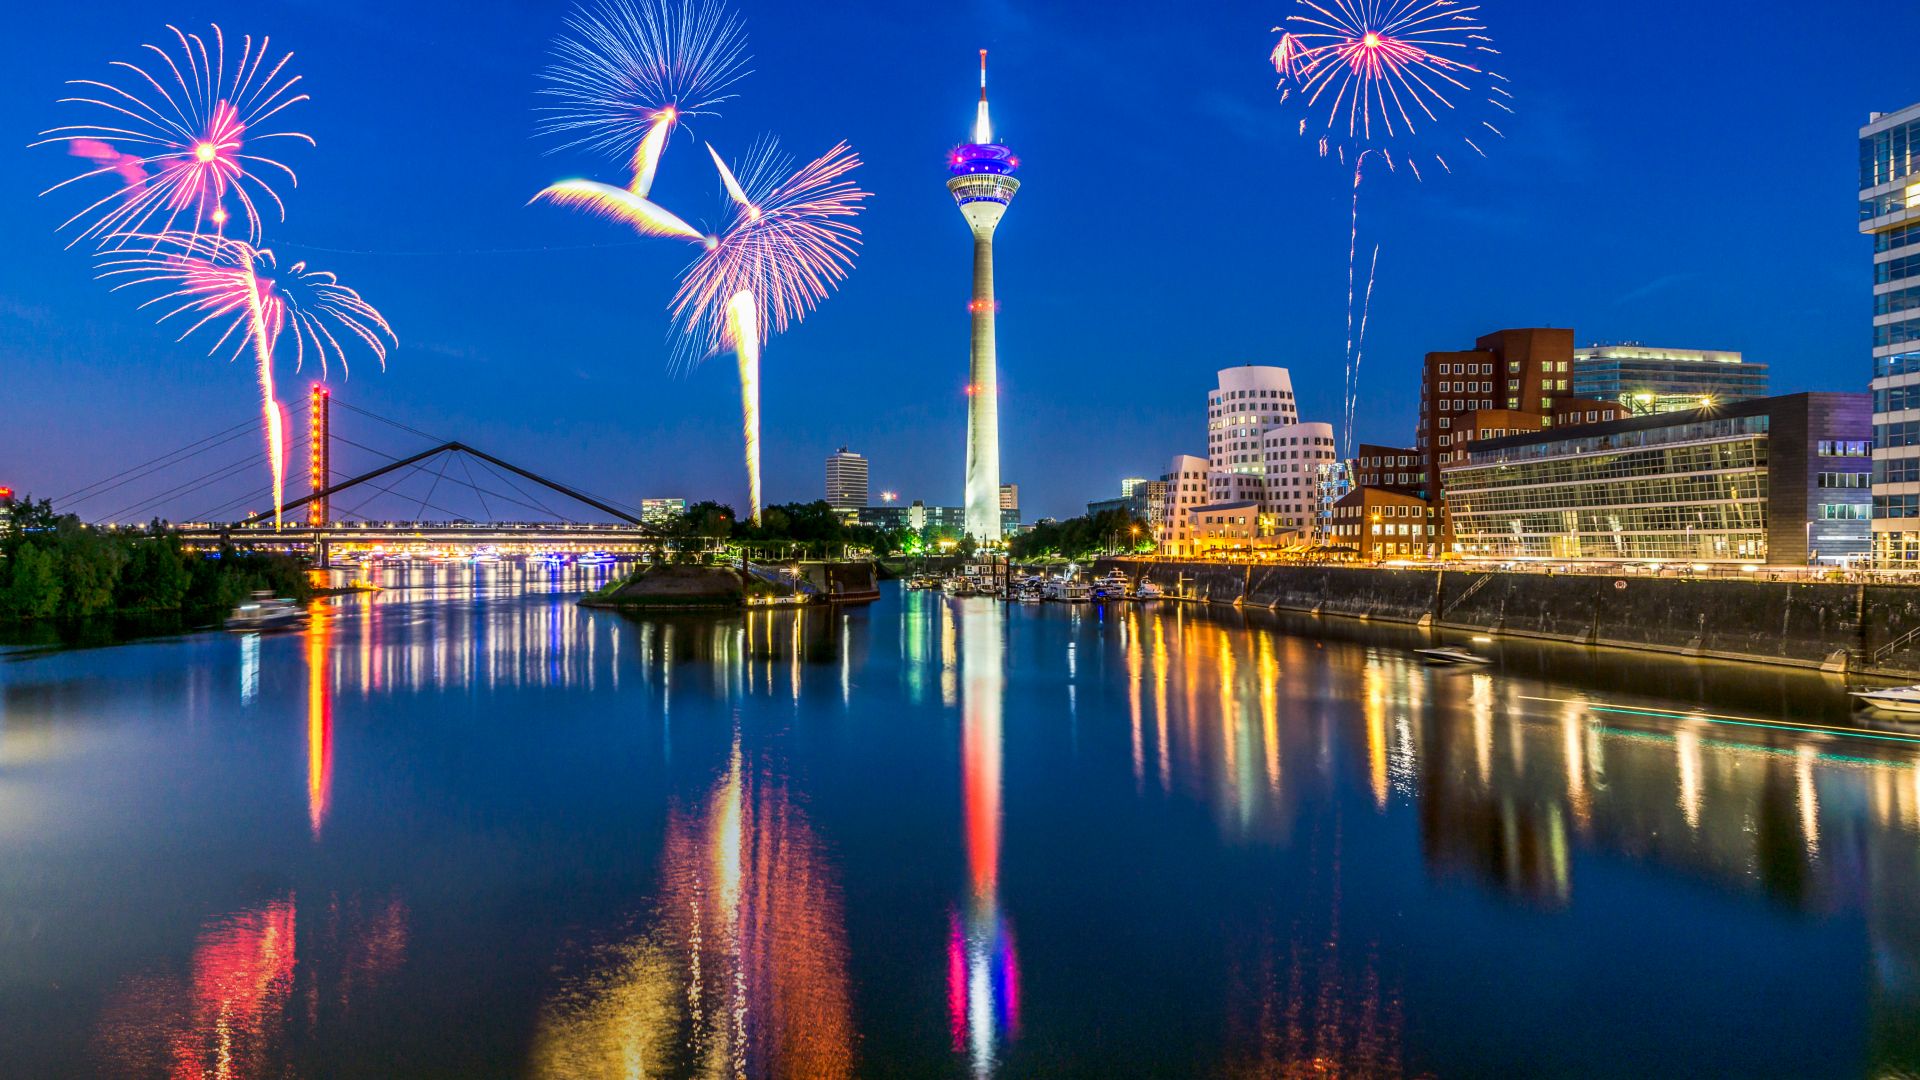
(475, 485)
(431, 488)
(153, 464)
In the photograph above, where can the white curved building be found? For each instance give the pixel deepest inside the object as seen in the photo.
(1259, 454)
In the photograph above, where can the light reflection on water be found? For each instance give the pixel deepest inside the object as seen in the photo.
(464, 825)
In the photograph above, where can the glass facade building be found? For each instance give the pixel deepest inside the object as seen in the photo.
(1780, 481)
(1656, 380)
(1890, 214)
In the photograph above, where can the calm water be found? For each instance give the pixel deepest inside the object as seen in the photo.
(465, 828)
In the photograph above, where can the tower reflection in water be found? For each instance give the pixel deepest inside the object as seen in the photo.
(742, 970)
(983, 970)
(260, 982)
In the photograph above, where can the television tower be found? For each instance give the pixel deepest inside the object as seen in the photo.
(982, 184)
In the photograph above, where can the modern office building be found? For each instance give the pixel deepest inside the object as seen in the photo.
(846, 480)
(1184, 489)
(1648, 379)
(661, 511)
(1779, 481)
(1010, 497)
(1890, 213)
(1509, 371)
(981, 181)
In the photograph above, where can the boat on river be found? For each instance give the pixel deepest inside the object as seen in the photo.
(266, 612)
(1113, 586)
(1900, 699)
(1450, 656)
(1148, 591)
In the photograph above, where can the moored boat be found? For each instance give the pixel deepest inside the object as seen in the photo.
(1900, 699)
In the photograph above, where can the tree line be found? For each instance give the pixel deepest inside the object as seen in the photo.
(54, 566)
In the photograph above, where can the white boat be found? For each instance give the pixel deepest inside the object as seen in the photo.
(1901, 699)
(1449, 655)
(1114, 586)
(266, 612)
(1068, 589)
(1148, 591)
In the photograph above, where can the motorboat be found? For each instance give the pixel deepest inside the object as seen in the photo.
(266, 612)
(1148, 591)
(1900, 699)
(1071, 590)
(1114, 586)
(1449, 655)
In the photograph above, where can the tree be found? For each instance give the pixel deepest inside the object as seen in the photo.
(34, 589)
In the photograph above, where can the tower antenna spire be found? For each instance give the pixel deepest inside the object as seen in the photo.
(982, 127)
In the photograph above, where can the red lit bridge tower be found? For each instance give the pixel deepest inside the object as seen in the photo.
(319, 453)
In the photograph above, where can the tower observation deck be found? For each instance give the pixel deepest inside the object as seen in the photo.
(981, 181)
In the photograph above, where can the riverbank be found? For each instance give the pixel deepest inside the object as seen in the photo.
(1832, 626)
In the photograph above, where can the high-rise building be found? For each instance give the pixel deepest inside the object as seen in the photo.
(1132, 485)
(1890, 213)
(1010, 497)
(846, 480)
(1648, 379)
(982, 183)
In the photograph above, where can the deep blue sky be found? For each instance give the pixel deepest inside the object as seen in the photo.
(1678, 173)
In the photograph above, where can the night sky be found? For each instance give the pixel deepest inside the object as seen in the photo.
(1678, 173)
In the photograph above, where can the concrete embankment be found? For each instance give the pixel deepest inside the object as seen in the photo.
(674, 588)
(1857, 626)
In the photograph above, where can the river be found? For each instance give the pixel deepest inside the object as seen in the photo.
(463, 827)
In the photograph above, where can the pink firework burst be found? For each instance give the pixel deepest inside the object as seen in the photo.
(1384, 69)
(790, 241)
(178, 137)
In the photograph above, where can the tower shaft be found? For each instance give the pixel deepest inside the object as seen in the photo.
(319, 453)
(983, 401)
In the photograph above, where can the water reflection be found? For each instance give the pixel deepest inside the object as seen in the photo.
(983, 969)
(1263, 846)
(742, 968)
(256, 984)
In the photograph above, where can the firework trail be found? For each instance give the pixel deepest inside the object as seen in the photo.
(175, 140)
(237, 291)
(627, 72)
(790, 241)
(1382, 71)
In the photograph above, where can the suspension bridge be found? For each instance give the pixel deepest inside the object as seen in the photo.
(446, 497)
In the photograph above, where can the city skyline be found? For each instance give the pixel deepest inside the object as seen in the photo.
(556, 358)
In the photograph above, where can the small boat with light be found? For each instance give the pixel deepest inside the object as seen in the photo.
(1450, 656)
(1900, 699)
(1148, 591)
(266, 612)
(1113, 586)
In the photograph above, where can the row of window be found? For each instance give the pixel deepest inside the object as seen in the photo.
(1893, 239)
(1898, 269)
(1905, 363)
(1843, 479)
(1843, 511)
(1889, 155)
(1842, 448)
(1896, 506)
(1887, 303)
(1899, 333)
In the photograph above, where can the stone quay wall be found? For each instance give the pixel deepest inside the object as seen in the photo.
(1838, 625)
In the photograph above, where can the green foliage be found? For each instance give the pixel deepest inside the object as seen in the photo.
(54, 566)
(1077, 538)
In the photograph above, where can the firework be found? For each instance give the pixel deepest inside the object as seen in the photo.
(789, 242)
(1383, 69)
(628, 70)
(179, 140)
(239, 293)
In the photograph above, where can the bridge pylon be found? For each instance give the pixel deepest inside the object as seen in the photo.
(319, 454)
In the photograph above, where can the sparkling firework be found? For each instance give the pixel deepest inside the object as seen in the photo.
(1384, 68)
(789, 242)
(629, 70)
(238, 292)
(175, 140)
(1382, 71)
